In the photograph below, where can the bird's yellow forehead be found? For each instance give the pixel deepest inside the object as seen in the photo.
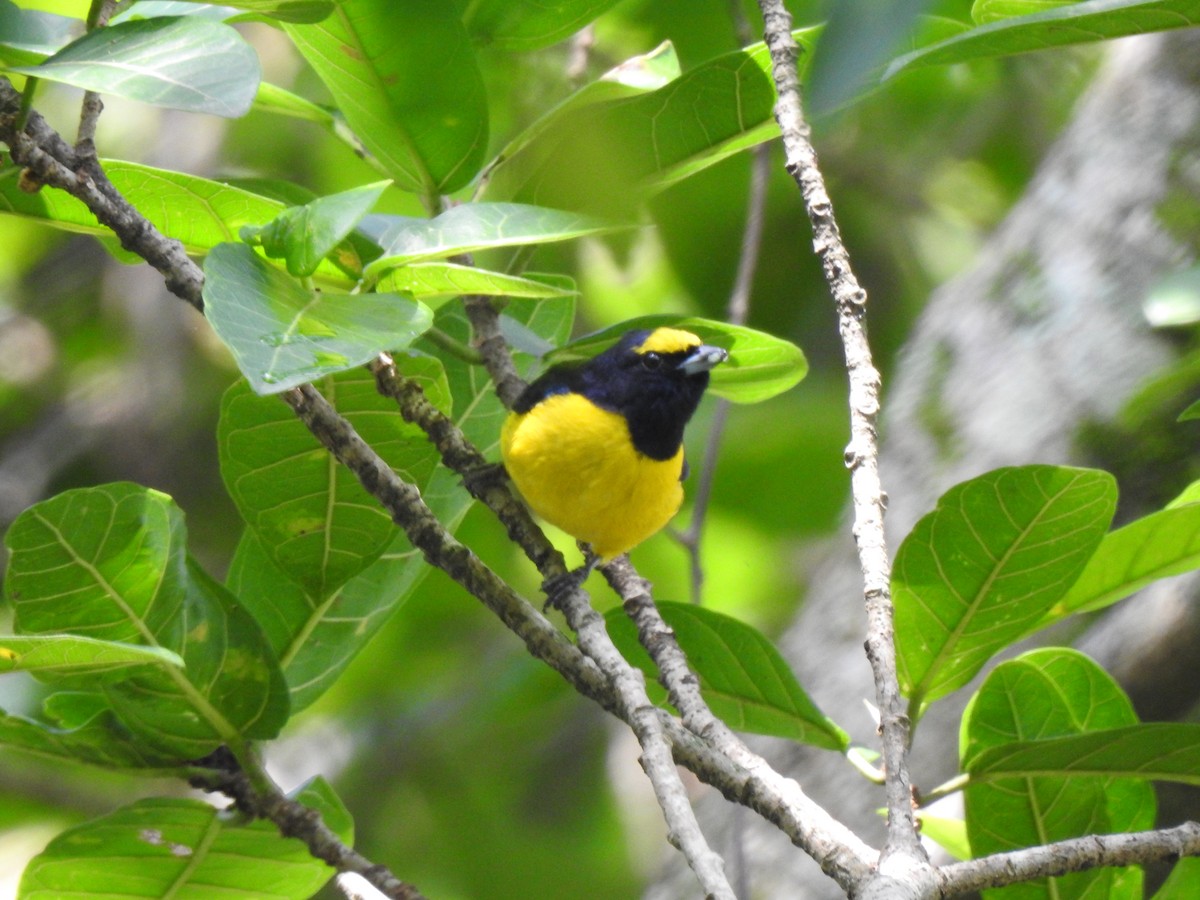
(668, 340)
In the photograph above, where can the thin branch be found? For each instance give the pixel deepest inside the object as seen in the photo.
(839, 852)
(862, 453)
(1062, 857)
(260, 797)
(51, 161)
(85, 139)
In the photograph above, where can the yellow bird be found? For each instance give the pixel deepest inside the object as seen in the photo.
(596, 447)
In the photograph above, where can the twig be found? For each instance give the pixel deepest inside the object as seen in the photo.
(85, 140)
(260, 797)
(55, 163)
(1073, 855)
(862, 453)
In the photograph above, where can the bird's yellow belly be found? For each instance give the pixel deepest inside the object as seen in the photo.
(576, 467)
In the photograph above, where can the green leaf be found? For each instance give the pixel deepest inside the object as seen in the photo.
(297, 11)
(304, 235)
(949, 834)
(28, 36)
(283, 334)
(296, 579)
(743, 678)
(1075, 23)
(1155, 751)
(986, 565)
(431, 280)
(1191, 413)
(529, 24)
(1156, 546)
(636, 75)
(110, 563)
(406, 78)
(314, 519)
(479, 226)
(1181, 884)
(635, 146)
(1052, 693)
(161, 847)
(57, 654)
(100, 740)
(184, 63)
(195, 211)
(759, 367)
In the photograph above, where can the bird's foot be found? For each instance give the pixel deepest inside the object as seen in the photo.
(559, 587)
(478, 479)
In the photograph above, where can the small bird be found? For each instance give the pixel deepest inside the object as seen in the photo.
(596, 447)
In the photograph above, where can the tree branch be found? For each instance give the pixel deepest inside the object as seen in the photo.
(862, 452)
(51, 161)
(1062, 857)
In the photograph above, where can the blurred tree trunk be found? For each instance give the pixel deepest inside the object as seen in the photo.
(1030, 356)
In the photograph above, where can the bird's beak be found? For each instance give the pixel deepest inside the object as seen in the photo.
(703, 359)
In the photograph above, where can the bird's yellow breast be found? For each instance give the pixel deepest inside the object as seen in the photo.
(576, 467)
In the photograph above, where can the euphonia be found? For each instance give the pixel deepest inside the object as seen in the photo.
(596, 447)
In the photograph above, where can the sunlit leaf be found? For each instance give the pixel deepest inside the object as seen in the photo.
(283, 334)
(110, 563)
(388, 66)
(1046, 694)
(743, 678)
(429, 281)
(57, 654)
(175, 847)
(1156, 546)
(1156, 751)
(314, 519)
(986, 565)
(304, 235)
(479, 226)
(185, 63)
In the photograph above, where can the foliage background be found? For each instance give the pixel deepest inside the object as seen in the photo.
(470, 768)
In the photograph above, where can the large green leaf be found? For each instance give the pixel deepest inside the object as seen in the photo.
(1156, 546)
(479, 226)
(182, 62)
(312, 516)
(195, 211)
(284, 334)
(529, 24)
(759, 367)
(1181, 884)
(1042, 695)
(406, 78)
(184, 849)
(67, 654)
(743, 678)
(110, 563)
(986, 565)
(27, 36)
(304, 235)
(1156, 751)
(1075, 23)
(300, 587)
(634, 146)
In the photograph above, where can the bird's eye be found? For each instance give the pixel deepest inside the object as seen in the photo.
(651, 361)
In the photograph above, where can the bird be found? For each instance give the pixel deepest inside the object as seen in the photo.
(596, 447)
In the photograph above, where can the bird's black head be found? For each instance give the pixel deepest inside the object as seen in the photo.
(655, 379)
